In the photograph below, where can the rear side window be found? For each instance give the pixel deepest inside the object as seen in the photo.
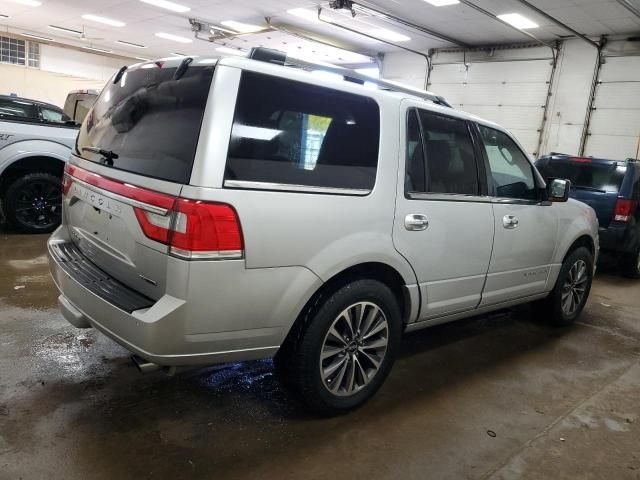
(291, 133)
(17, 109)
(584, 173)
(450, 159)
(150, 120)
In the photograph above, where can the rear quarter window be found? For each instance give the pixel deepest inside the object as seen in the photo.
(292, 133)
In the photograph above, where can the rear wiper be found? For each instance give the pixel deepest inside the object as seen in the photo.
(108, 156)
(590, 189)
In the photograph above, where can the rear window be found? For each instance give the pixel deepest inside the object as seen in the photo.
(598, 176)
(291, 133)
(150, 120)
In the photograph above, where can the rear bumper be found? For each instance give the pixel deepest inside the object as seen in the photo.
(191, 331)
(618, 239)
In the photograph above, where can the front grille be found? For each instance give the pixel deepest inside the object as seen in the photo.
(85, 272)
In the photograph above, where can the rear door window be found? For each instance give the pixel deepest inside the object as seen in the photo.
(150, 120)
(17, 109)
(292, 133)
(52, 115)
(584, 173)
(450, 165)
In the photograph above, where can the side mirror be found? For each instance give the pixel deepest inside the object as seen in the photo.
(558, 189)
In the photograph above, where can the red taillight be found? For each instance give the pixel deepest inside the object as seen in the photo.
(193, 229)
(203, 229)
(580, 159)
(625, 209)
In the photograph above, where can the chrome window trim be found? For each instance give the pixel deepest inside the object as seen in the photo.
(449, 197)
(285, 187)
(120, 198)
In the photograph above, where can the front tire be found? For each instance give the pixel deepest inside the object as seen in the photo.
(345, 347)
(32, 203)
(569, 296)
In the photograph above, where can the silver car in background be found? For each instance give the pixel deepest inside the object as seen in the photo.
(229, 210)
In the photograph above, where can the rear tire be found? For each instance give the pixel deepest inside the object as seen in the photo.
(32, 203)
(571, 291)
(630, 264)
(342, 350)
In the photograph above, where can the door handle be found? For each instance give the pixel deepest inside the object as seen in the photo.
(415, 222)
(510, 221)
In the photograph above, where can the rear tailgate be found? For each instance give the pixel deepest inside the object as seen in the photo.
(134, 153)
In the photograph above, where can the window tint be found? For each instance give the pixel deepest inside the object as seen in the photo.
(451, 165)
(297, 134)
(17, 109)
(601, 176)
(51, 115)
(150, 119)
(415, 178)
(511, 174)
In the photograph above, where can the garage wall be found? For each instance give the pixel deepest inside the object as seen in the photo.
(61, 70)
(614, 129)
(509, 86)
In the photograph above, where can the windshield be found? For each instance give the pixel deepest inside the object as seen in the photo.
(149, 121)
(598, 176)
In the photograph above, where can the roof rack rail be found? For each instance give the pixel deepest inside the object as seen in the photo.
(281, 58)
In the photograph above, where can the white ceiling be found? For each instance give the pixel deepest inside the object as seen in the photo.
(591, 17)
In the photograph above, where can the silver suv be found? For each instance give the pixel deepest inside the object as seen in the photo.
(239, 209)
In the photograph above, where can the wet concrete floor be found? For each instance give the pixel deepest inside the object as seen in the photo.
(500, 396)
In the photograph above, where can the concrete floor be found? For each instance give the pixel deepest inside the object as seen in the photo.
(493, 397)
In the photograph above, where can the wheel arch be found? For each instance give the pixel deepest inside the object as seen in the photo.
(30, 164)
(374, 270)
(582, 241)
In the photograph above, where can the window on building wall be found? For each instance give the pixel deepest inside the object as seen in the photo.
(34, 54)
(12, 51)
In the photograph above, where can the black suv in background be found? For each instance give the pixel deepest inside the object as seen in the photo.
(612, 189)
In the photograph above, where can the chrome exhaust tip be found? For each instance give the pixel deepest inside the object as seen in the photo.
(143, 366)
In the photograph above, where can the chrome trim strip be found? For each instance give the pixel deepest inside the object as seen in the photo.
(120, 198)
(212, 255)
(453, 197)
(294, 188)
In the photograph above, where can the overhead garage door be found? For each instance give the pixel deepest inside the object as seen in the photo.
(614, 129)
(510, 93)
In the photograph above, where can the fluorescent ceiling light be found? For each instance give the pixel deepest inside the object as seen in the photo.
(28, 3)
(130, 44)
(96, 49)
(177, 54)
(231, 51)
(37, 37)
(518, 21)
(174, 7)
(143, 59)
(105, 20)
(304, 13)
(389, 35)
(173, 38)
(256, 133)
(242, 27)
(442, 3)
(65, 30)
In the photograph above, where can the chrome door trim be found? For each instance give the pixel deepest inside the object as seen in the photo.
(448, 197)
(285, 187)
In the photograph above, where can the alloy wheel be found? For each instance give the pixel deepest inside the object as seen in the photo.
(354, 348)
(38, 205)
(574, 288)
